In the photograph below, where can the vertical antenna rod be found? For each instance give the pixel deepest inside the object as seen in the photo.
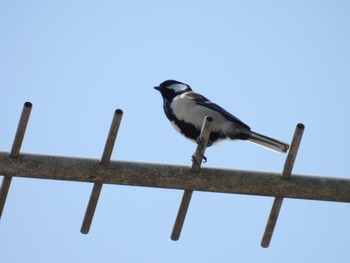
(196, 165)
(286, 174)
(105, 159)
(16, 147)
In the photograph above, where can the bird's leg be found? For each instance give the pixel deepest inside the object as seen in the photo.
(204, 159)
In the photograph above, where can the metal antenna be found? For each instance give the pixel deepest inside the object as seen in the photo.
(16, 147)
(286, 175)
(196, 166)
(170, 176)
(105, 160)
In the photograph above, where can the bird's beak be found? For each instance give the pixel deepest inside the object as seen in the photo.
(158, 88)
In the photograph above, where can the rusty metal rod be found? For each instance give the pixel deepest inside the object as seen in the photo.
(16, 147)
(21, 129)
(286, 174)
(293, 151)
(196, 166)
(5, 186)
(105, 160)
(112, 135)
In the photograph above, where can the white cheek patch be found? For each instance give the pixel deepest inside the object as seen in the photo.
(178, 88)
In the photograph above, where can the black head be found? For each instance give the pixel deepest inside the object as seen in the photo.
(171, 88)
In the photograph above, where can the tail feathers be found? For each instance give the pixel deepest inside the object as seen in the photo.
(268, 142)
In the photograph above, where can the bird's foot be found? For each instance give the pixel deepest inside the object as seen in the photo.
(204, 159)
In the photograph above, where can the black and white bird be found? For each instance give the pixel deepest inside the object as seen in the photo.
(186, 111)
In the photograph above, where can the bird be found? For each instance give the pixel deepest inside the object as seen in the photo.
(186, 110)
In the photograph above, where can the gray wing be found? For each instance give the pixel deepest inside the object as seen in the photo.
(201, 100)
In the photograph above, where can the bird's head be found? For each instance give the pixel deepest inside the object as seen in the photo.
(171, 88)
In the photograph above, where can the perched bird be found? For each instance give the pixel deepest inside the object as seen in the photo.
(186, 111)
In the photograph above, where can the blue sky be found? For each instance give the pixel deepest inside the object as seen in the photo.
(271, 63)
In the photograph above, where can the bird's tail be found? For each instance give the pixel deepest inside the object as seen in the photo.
(268, 142)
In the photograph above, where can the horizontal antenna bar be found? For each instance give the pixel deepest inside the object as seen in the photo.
(176, 177)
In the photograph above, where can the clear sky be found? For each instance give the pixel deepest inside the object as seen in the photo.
(270, 63)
